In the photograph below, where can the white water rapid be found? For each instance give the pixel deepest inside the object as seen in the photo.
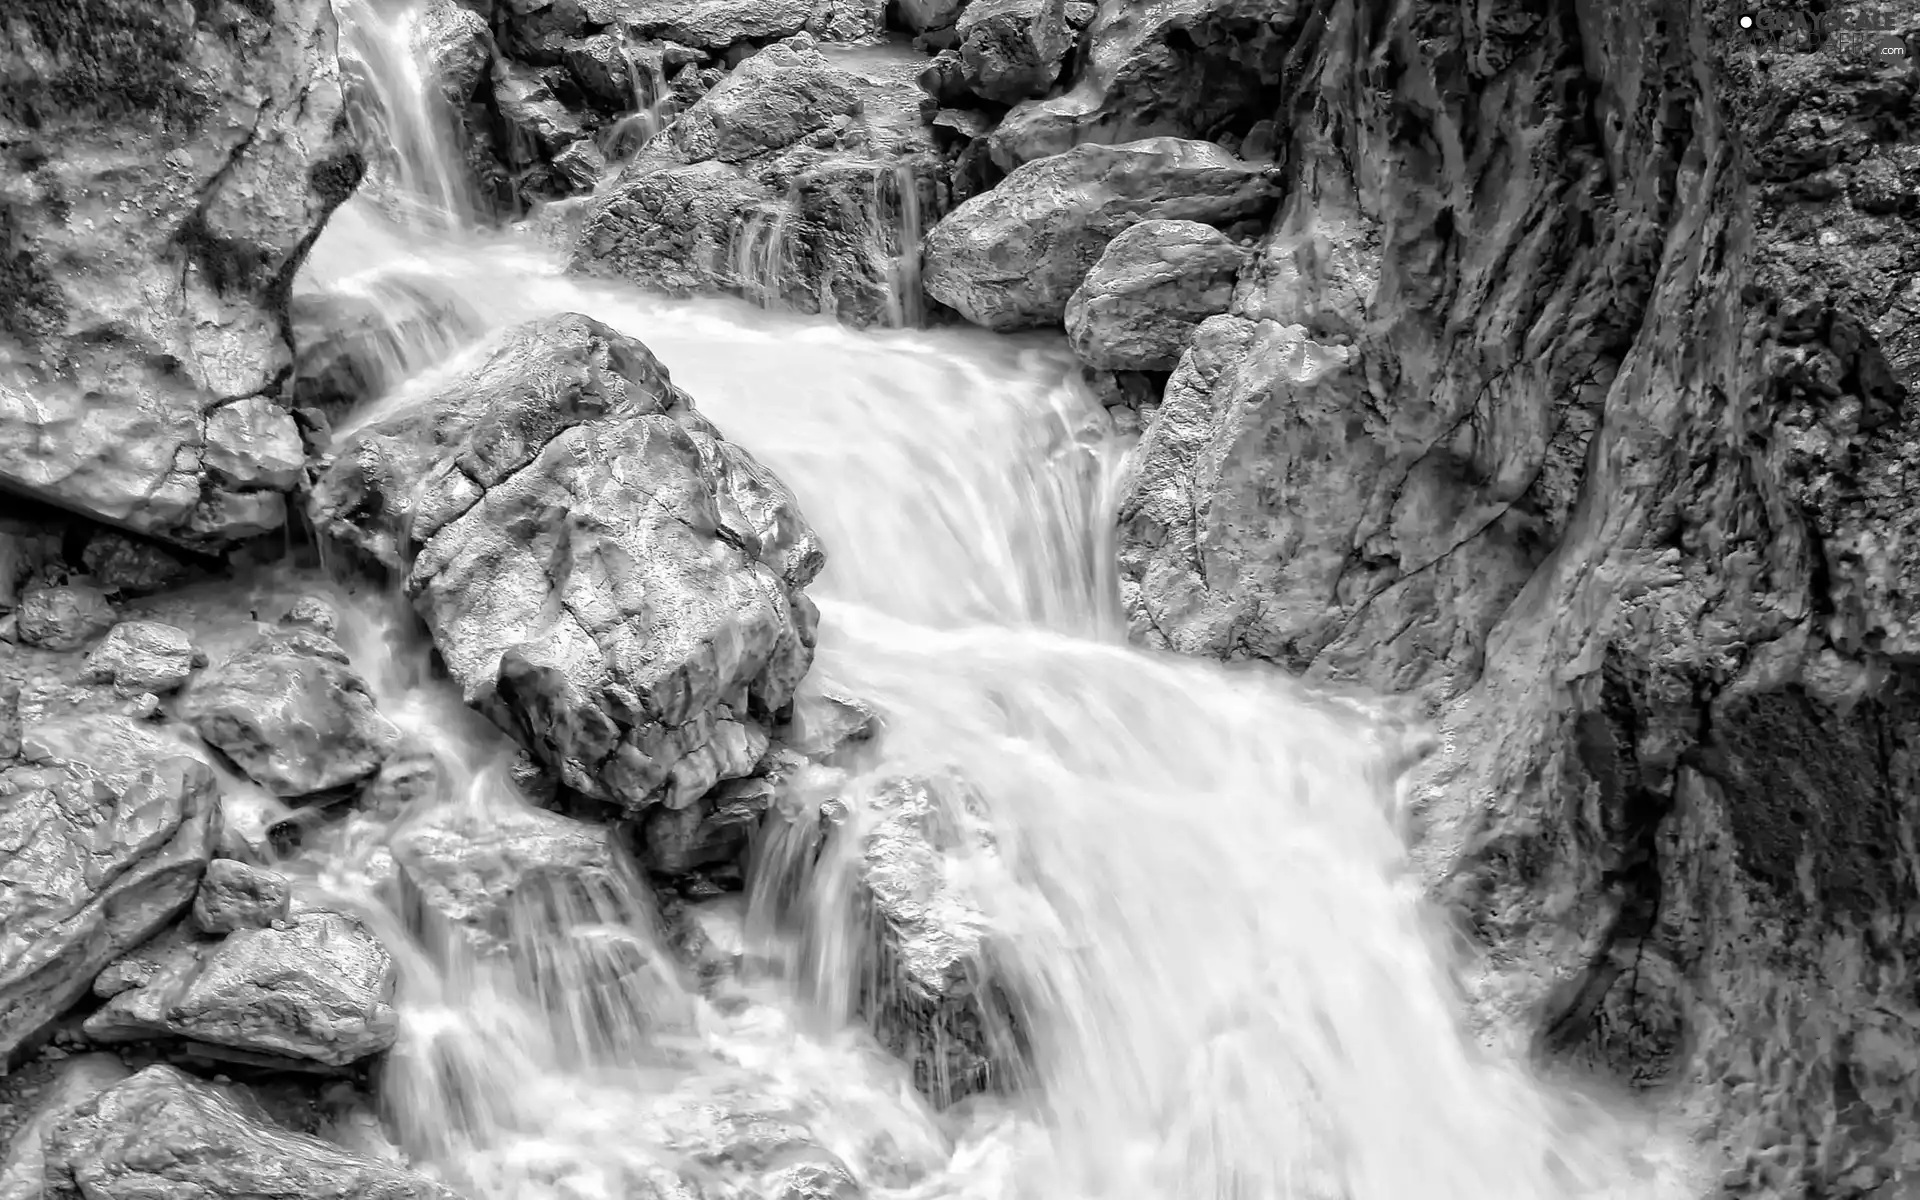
(1231, 987)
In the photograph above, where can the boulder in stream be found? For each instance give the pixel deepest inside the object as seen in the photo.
(234, 895)
(1151, 288)
(63, 616)
(1011, 50)
(1012, 257)
(144, 656)
(165, 1133)
(93, 869)
(210, 152)
(78, 1079)
(607, 577)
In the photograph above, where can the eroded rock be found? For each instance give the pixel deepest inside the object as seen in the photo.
(235, 895)
(318, 986)
(63, 616)
(144, 656)
(1012, 257)
(289, 710)
(92, 870)
(165, 1133)
(1151, 288)
(1011, 50)
(23, 1174)
(212, 153)
(644, 664)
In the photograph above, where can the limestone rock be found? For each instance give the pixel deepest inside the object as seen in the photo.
(253, 444)
(144, 656)
(457, 47)
(1011, 258)
(211, 153)
(1011, 50)
(234, 895)
(318, 987)
(164, 1133)
(1175, 68)
(606, 577)
(63, 616)
(91, 872)
(23, 1174)
(289, 710)
(1152, 287)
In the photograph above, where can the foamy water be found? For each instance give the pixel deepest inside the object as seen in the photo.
(1229, 983)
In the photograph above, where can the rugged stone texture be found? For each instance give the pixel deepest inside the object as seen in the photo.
(606, 577)
(164, 1133)
(1011, 50)
(90, 870)
(63, 616)
(289, 710)
(1153, 285)
(351, 348)
(144, 656)
(23, 1175)
(318, 986)
(1596, 427)
(1010, 258)
(234, 895)
(164, 170)
(1174, 68)
(801, 178)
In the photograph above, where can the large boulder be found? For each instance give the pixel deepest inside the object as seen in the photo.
(606, 576)
(91, 869)
(1011, 50)
(1011, 257)
(288, 709)
(23, 1172)
(1179, 68)
(207, 143)
(317, 986)
(165, 1133)
(801, 178)
(1153, 285)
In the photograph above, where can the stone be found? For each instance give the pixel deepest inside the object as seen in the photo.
(1011, 50)
(235, 895)
(457, 47)
(289, 710)
(718, 24)
(23, 1173)
(126, 567)
(1012, 257)
(164, 1133)
(828, 727)
(253, 444)
(1175, 68)
(714, 829)
(318, 986)
(538, 125)
(312, 612)
(63, 616)
(210, 156)
(926, 16)
(1152, 287)
(350, 348)
(646, 668)
(144, 656)
(92, 871)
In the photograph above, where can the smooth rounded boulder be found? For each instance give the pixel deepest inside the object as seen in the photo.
(1153, 286)
(1010, 258)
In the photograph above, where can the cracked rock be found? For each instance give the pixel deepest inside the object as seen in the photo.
(144, 656)
(64, 616)
(234, 895)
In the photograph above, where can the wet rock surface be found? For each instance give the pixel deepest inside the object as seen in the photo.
(23, 1173)
(235, 895)
(1012, 257)
(144, 656)
(208, 145)
(163, 1132)
(1152, 286)
(643, 664)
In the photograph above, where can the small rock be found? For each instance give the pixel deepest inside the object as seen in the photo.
(313, 613)
(143, 656)
(63, 616)
(125, 566)
(1012, 50)
(234, 895)
(713, 829)
(253, 443)
(1153, 286)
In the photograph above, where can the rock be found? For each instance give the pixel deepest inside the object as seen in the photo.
(717, 24)
(63, 616)
(1011, 50)
(538, 125)
(121, 566)
(457, 47)
(164, 1133)
(290, 712)
(473, 872)
(926, 16)
(352, 348)
(253, 444)
(318, 987)
(144, 656)
(23, 1174)
(311, 612)
(710, 935)
(945, 79)
(829, 728)
(1012, 257)
(92, 871)
(1178, 68)
(210, 155)
(799, 178)
(1152, 287)
(863, 21)
(234, 896)
(581, 165)
(714, 829)
(645, 664)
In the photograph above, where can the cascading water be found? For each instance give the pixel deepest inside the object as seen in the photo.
(1227, 981)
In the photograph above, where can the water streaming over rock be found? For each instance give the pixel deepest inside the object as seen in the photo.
(1226, 986)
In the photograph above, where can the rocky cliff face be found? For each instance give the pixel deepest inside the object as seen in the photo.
(1571, 389)
(163, 169)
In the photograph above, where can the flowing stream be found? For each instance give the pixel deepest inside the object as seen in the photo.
(1231, 988)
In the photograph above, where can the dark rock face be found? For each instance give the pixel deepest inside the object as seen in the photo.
(1012, 257)
(1620, 477)
(1012, 49)
(607, 578)
(165, 1133)
(206, 143)
(93, 869)
(801, 177)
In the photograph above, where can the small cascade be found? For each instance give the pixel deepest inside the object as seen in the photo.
(427, 176)
(651, 107)
(761, 255)
(896, 231)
